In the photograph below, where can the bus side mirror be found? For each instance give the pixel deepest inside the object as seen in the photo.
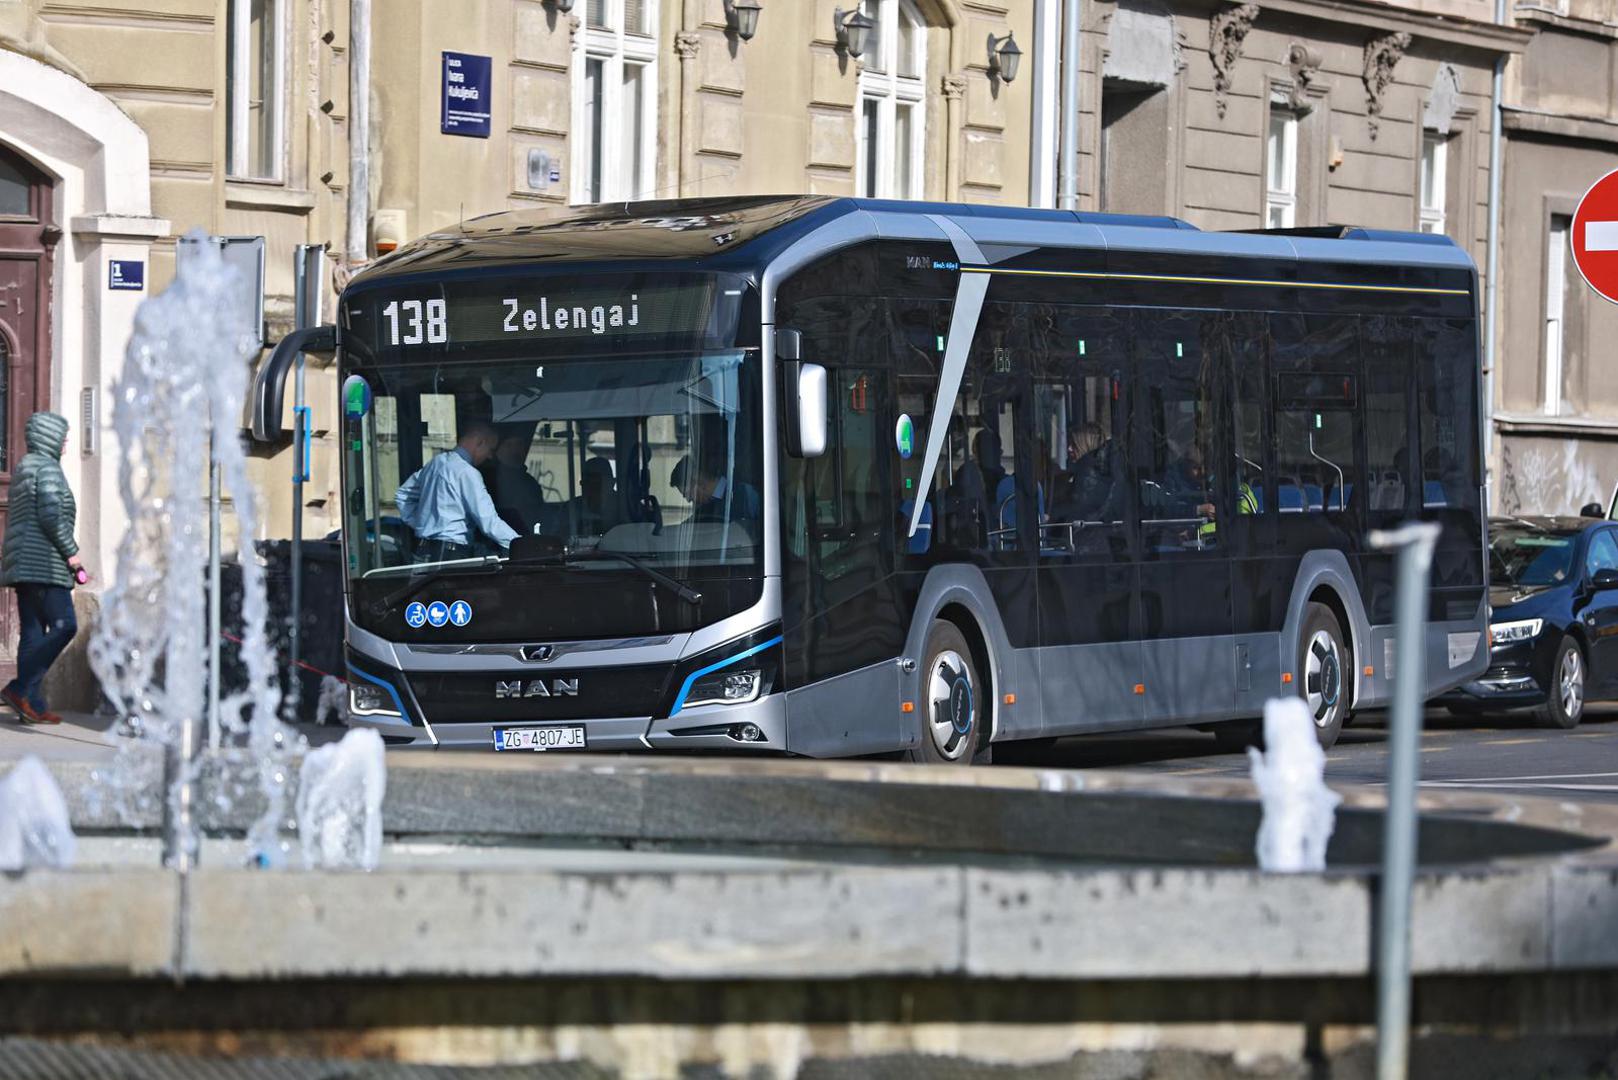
(806, 408)
(270, 383)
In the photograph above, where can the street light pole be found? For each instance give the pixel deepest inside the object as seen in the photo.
(1414, 542)
(1072, 15)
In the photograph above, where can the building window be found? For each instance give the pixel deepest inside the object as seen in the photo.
(1434, 182)
(892, 116)
(255, 88)
(1281, 170)
(1555, 313)
(615, 101)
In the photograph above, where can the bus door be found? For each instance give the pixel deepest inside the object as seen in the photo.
(1181, 440)
(1089, 632)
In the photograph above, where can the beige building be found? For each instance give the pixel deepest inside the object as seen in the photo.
(124, 123)
(1556, 400)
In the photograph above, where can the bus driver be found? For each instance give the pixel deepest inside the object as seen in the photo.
(445, 500)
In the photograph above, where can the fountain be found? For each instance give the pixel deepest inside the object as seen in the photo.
(184, 365)
(1299, 809)
(34, 825)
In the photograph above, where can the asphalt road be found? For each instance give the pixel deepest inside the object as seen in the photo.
(1504, 753)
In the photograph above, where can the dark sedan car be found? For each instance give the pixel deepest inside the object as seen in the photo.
(1553, 627)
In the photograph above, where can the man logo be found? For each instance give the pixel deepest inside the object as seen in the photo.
(536, 688)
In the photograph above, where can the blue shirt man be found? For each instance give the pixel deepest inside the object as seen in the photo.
(709, 491)
(446, 502)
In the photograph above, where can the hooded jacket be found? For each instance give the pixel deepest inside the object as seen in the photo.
(39, 526)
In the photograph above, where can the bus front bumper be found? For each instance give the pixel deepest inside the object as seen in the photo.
(753, 727)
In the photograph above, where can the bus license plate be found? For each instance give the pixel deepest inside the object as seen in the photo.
(539, 738)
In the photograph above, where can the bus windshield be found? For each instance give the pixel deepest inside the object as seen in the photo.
(657, 457)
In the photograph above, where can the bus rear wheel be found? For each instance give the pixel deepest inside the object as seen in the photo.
(1324, 668)
(952, 705)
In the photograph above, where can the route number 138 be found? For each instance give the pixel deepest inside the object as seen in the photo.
(416, 318)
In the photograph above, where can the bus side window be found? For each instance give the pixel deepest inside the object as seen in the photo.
(1177, 444)
(1386, 347)
(1316, 402)
(1447, 399)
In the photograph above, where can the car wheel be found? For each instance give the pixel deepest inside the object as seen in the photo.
(1324, 667)
(953, 708)
(1564, 703)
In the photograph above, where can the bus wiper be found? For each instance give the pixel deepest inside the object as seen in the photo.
(674, 585)
(425, 574)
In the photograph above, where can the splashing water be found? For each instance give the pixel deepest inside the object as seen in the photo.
(340, 789)
(34, 828)
(333, 704)
(186, 361)
(1299, 809)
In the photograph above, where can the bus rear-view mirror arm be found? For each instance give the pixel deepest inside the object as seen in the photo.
(270, 384)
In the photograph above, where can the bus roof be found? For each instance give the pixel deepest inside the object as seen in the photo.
(743, 234)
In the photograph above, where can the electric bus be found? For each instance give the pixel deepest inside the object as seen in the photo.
(828, 476)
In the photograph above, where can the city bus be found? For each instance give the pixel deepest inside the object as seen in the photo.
(827, 476)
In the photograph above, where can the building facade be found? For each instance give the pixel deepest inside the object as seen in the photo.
(125, 123)
(1556, 396)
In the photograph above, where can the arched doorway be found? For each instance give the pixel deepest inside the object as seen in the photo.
(27, 242)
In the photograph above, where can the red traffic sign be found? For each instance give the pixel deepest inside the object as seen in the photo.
(1595, 236)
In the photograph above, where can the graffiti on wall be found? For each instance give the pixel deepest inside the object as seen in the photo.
(1546, 477)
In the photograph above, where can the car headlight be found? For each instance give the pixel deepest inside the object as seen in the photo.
(726, 688)
(1507, 632)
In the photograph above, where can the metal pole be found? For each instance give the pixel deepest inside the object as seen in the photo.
(306, 313)
(1492, 257)
(1072, 16)
(215, 616)
(359, 129)
(1415, 542)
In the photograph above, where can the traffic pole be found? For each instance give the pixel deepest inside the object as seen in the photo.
(1414, 542)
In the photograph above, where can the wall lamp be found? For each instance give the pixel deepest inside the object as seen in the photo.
(562, 6)
(853, 30)
(741, 17)
(1004, 57)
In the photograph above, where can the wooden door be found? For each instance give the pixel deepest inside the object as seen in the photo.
(27, 239)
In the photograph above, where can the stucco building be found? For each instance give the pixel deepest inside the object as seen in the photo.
(124, 123)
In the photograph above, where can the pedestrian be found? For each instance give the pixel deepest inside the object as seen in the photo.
(40, 560)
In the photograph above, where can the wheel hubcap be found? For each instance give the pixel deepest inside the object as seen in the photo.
(1322, 677)
(952, 704)
(1572, 683)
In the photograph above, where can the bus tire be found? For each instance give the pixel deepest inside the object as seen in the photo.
(1564, 699)
(1324, 662)
(951, 711)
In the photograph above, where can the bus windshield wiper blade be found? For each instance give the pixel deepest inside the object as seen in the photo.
(679, 588)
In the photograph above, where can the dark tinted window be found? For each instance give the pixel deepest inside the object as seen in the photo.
(1446, 370)
(1178, 420)
(1315, 359)
(1387, 402)
(1081, 361)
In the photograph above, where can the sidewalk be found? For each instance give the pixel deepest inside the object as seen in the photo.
(80, 737)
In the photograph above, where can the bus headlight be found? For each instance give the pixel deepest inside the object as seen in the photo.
(1508, 632)
(726, 688)
(368, 699)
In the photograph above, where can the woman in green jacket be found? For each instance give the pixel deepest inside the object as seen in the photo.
(41, 561)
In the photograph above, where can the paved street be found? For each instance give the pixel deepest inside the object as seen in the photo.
(1499, 754)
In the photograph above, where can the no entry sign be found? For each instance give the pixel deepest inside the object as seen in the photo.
(1595, 236)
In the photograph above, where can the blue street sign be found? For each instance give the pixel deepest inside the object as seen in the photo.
(416, 615)
(127, 274)
(465, 95)
(460, 613)
(438, 613)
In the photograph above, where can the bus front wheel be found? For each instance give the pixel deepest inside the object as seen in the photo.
(1324, 672)
(953, 707)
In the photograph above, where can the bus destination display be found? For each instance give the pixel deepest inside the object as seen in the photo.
(553, 309)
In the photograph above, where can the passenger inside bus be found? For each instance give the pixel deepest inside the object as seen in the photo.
(518, 497)
(705, 485)
(1092, 487)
